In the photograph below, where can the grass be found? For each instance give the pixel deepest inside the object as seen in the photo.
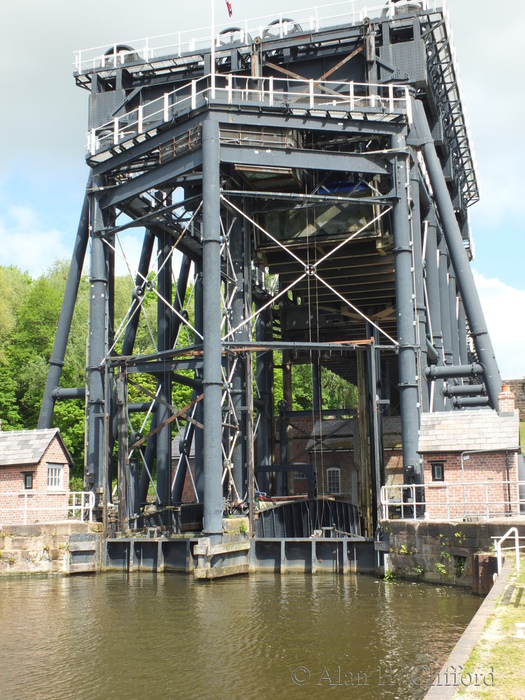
(499, 650)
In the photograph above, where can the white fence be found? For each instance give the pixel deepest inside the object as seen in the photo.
(23, 507)
(335, 97)
(309, 20)
(453, 501)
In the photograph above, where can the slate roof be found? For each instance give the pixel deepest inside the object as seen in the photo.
(459, 431)
(26, 447)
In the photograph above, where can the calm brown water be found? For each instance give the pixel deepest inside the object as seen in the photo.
(264, 637)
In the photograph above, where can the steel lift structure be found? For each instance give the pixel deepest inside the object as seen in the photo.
(308, 181)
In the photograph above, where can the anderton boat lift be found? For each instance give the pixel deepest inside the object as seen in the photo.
(302, 186)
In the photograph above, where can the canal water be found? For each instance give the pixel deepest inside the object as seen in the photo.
(266, 637)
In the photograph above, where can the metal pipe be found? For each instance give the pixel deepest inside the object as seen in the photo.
(459, 258)
(465, 390)
(56, 362)
(408, 385)
(211, 260)
(470, 401)
(61, 394)
(432, 353)
(456, 372)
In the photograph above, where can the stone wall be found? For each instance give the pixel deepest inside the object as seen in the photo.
(439, 552)
(40, 549)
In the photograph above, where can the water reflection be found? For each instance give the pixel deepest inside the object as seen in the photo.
(147, 636)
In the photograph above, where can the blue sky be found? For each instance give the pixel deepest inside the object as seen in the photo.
(44, 119)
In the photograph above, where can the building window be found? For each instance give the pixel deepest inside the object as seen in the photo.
(54, 476)
(28, 480)
(334, 480)
(438, 472)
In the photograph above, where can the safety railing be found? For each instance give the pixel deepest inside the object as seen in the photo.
(37, 507)
(452, 501)
(309, 20)
(335, 97)
(498, 541)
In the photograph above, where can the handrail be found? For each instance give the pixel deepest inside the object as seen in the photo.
(413, 501)
(327, 95)
(498, 543)
(75, 504)
(309, 20)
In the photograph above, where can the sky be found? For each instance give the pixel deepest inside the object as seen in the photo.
(44, 120)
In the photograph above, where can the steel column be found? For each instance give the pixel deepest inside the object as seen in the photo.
(211, 260)
(432, 280)
(96, 442)
(164, 317)
(453, 303)
(460, 261)
(444, 301)
(408, 385)
(239, 255)
(199, 411)
(56, 362)
(140, 279)
(421, 307)
(263, 379)
(462, 327)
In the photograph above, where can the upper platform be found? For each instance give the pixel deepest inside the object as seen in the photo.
(307, 63)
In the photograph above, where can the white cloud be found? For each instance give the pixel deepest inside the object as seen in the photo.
(502, 305)
(28, 246)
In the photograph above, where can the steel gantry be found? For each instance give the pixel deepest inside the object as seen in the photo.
(302, 189)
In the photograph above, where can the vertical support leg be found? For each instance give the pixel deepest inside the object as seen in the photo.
(365, 485)
(199, 410)
(123, 461)
(444, 301)
(432, 279)
(164, 314)
(211, 259)
(408, 386)
(264, 372)
(462, 327)
(453, 304)
(96, 443)
(238, 315)
(288, 397)
(419, 285)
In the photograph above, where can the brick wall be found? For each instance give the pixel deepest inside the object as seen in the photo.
(39, 504)
(465, 495)
(517, 387)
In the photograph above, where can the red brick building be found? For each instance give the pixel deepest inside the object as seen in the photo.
(34, 476)
(470, 461)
